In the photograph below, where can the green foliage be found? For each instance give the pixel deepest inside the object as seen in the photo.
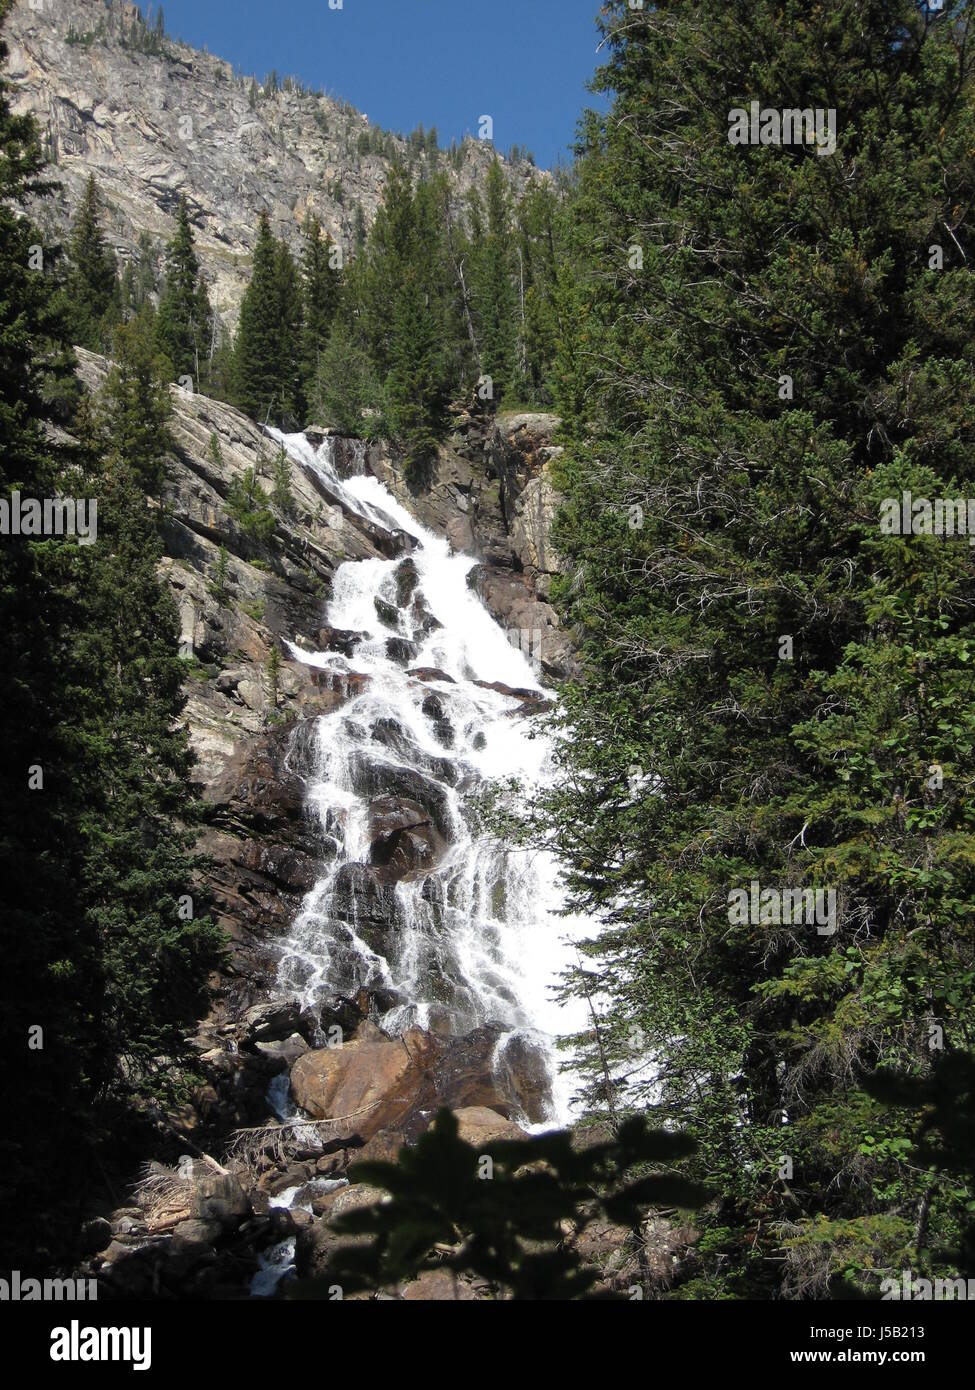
(183, 320)
(91, 293)
(248, 504)
(220, 583)
(346, 383)
(135, 402)
(267, 370)
(281, 494)
(100, 952)
(707, 516)
(321, 285)
(501, 1213)
(493, 297)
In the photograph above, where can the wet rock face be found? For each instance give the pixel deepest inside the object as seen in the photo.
(492, 496)
(375, 779)
(404, 840)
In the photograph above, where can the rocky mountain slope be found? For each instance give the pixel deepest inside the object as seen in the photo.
(151, 127)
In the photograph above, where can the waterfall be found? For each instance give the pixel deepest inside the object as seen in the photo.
(447, 929)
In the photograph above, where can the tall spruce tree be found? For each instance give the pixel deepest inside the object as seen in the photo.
(48, 954)
(136, 401)
(291, 389)
(102, 973)
(267, 351)
(770, 340)
(184, 316)
(409, 312)
(321, 284)
(92, 293)
(493, 296)
(257, 346)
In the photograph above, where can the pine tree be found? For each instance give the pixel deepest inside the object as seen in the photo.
(220, 583)
(288, 288)
(493, 300)
(281, 494)
(136, 401)
(409, 312)
(346, 383)
(156, 944)
(541, 248)
(50, 961)
(104, 972)
(184, 316)
(759, 350)
(247, 503)
(256, 351)
(91, 291)
(267, 352)
(321, 287)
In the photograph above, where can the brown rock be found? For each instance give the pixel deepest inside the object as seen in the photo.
(438, 1286)
(371, 1085)
(478, 1125)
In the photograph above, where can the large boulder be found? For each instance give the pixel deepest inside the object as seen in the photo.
(479, 1126)
(376, 1083)
(317, 1241)
(366, 1085)
(404, 840)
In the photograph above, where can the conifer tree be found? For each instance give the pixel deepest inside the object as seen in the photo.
(47, 981)
(256, 348)
(91, 288)
(104, 969)
(267, 352)
(321, 287)
(493, 300)
(288, 288)
(184, 316)
(764, 342)
(409, 310)
(136, 401)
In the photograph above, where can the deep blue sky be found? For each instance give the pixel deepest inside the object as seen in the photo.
(406, 62)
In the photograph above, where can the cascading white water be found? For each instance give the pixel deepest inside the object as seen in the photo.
(474, 938)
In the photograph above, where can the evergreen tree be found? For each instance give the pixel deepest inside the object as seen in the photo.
(257, 348)
(288, 289)
(155, 943)
(493, 299)
(281, 494)
(103, 972)
(48, 954)
(346, 383)
(220, 583)
(184, 316)
(91, 290)
(764, 347)
(321, 286)
(267, 352)
(136, 401)
(409, 311)
(247, 503)
(541, 253)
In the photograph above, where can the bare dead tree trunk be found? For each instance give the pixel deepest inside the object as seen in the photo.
(465, 297)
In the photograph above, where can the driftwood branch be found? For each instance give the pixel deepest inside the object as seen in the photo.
(247, 1146)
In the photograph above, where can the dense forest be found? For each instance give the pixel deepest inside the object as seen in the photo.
(436, 304)
(752, 347)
